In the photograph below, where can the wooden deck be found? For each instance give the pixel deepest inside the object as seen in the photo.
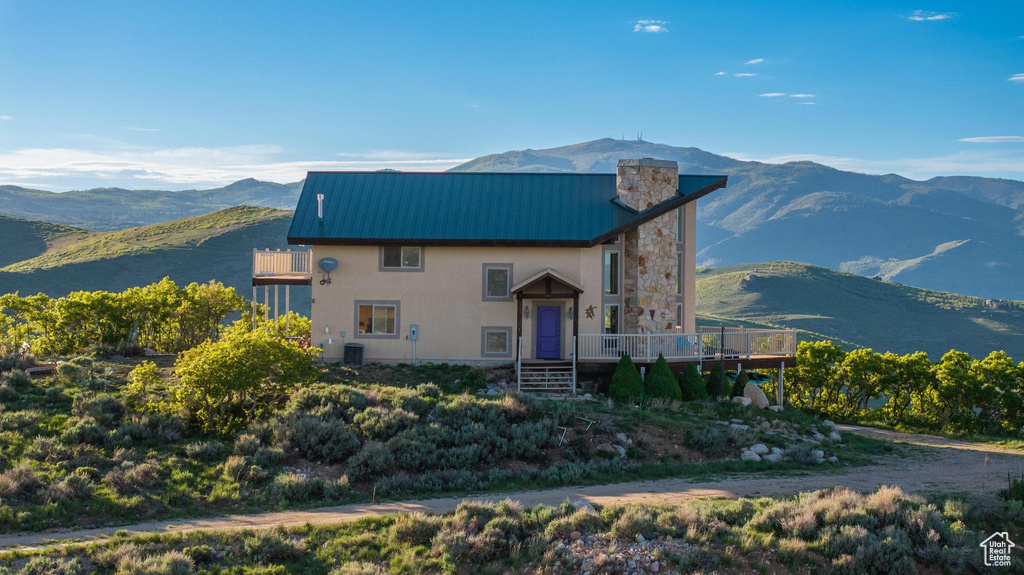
(287, 268)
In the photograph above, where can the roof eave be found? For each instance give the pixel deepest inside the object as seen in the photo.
(660, 209)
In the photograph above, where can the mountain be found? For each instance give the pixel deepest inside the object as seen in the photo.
(216, 246)
(958, 234)
(856, 311)
(116, 208)
(24, 239)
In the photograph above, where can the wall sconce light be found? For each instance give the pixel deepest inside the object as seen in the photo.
(572, 312)
(526, 312)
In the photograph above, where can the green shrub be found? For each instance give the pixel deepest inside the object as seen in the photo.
(8, 394)
(627, 384)
(741, 383)
(414, 529)
(75, 487)
(378, 423)
(718, 384)
(246, 444)
(105, 409)
(322, 440)
(170, 563)
(660, 382)
(208, 451)
(17, 378)
(143, 377)
(271, 546)
(691, 384)
(52, 566)
(19, 481)
(635, 520)
(372, 459)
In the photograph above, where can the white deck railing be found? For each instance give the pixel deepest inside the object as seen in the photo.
(269, 263)
(707, 343)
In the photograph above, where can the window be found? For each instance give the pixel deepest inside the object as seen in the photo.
(679, 272)
(497, 282)
(377, 319)
(679, 317)
(611, 273)
(496, 341)
(401, 258)
(680, 224)
(611, 318)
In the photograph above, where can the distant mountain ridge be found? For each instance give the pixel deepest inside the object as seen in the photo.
(959, 234)
(117, 208)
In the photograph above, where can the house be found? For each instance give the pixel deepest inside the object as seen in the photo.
(548, 271)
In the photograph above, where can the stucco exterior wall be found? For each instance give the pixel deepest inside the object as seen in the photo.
(445, 300)
(688, 273)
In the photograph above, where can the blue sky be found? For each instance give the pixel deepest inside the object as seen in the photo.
(196, 94)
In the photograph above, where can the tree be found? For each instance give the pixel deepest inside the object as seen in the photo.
(717, 384)
(740, 385)
(814, 381)
(226, 384)
(660, 382)
(626, 382)
(691, 384)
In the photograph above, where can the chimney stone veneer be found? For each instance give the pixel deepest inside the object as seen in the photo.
(649, 251)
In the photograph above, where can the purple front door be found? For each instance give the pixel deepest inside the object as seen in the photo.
(549, 332)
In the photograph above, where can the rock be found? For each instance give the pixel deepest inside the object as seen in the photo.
(587, 396)
(640, 538)
(759, 448)
(833, 459)
(655, 567)
(734, 420)
(750, 456)
(741, 400)
(773, 457)
(623, 438)
(834, 436)
(606, 447)
(755, 395)
(584, 505)
(492, 391)
(778, 450)
(818, 454)
(775, 408)
(621, 450)
(575, 535)
(828, 423)
(739, 426)
(820, 461)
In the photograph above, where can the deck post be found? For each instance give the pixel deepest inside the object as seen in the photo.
(277, 298)
(254, 306)
(519, 325)
(287, 308)
(266, 306)
(781, 395)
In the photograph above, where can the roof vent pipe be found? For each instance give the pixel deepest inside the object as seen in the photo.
(320, 207)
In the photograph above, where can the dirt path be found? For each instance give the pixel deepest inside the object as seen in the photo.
(944, 465)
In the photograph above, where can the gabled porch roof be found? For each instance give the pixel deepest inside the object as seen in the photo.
(548, 276)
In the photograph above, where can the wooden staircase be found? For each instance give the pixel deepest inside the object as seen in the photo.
(547, 377)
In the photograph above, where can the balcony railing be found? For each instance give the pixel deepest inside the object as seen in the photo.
(277, 263)
(707, 343)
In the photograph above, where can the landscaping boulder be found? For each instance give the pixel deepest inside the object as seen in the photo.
(818, 454)
(750, 456)
(772, 457)
(775, 408)
(584, 505)
(739, 426)
(759, 448)
(741, 400)
(755, 395)
(834, 436)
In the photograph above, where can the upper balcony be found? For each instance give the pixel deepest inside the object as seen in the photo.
(276, 267)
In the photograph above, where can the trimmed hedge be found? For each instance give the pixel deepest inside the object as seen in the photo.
(718, 386)
(741, 383)
(660, 382)
(626, 382)
(691, 384)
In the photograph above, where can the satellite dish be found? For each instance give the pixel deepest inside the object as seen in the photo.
(327, 265)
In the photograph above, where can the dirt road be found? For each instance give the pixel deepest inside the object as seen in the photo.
(943, 465)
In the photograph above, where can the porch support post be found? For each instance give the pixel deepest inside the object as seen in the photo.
(781, 396)
(277, 298)
(287, 307)
(575, 314)
(266, 305)
(519, 321)
(254, 307)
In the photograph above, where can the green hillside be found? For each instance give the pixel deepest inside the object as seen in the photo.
(859, 311)
(25, 239)
(215, 246)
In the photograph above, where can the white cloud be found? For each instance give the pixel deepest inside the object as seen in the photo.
(189, 167)
(1017, 78)
(651, 26)
(925, 16)
(808, 103)
(745, 75)
(754, 61)
(772, 95)
(801, 95)
(973, 162)
(719, 73)
(5, 118)
(992, 139)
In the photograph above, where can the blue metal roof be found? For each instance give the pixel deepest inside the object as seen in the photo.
(459, 208)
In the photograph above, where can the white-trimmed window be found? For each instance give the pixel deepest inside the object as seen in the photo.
(679, 272)
(377, 319)
(611, 318)
(496, 341)
(497, 282)
(611, 273)
(401, 258)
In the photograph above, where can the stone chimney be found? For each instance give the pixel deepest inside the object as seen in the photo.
(649, 253)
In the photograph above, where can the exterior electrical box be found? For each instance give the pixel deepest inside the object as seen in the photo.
(414, 331)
